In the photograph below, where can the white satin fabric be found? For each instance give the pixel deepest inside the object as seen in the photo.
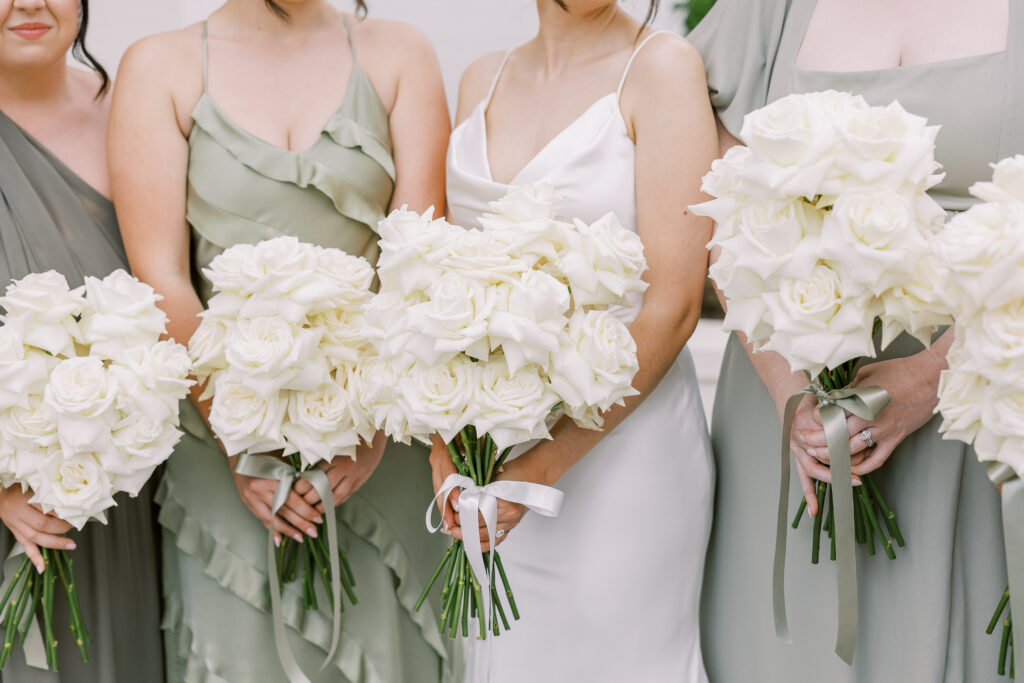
(608, 591)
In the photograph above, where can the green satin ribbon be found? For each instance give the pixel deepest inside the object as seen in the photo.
(269, 467)
(33, 647)
(1013, 537)
(866, 403)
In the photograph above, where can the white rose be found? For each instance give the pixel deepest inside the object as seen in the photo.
(388, 327)
(1007, 182)
(75, 489)
(440, 398)
(244, 420)
(916, 306)
(362, 394)
(41, 309)
(995, 339)
(23, 371)
(120, 312)
(320, 424)
(236, 270)
(607, 266)
(772, 237)
(527, 203)
(723, 180)
(142, 445)
(207, 346)
(274, 355)
(349, 277)
(375, 384)
(887, 146)
(411, 249)
(82, 394)
(478, 255)
(163, 368)
(961, 395)
(30, 427)
(597, 362)
(873, 240)
(528, 319)
(815, 325)
(512, 406)
(991, 446)
(344, 337)
(532, 242)
(453, 320)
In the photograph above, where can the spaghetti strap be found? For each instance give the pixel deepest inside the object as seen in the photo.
(494, 83)
(625, 72)
(351, 45)
(204, 56)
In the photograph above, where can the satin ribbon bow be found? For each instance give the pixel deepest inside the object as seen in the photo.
(866, 403)
(1012, 492)
(484, 499)
(269, 467)
(33, 648)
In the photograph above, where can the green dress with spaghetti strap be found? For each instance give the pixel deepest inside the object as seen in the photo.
(922, 616)
(242, 189)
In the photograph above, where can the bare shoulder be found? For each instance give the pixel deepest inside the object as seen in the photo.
(173, 58)
(476, 81)
(667, 63)
(389, 37)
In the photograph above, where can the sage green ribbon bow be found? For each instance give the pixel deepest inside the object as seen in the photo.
(866, 403)
(34, 648)
(1012, 494)
(269, 467)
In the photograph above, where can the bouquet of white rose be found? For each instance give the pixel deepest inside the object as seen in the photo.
(823, 229)
(88, 408)
(484, 337)
(277, 349)
(981, 395)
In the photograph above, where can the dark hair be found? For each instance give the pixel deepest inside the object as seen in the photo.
(652, 9)
(283, 13)
(80, 52)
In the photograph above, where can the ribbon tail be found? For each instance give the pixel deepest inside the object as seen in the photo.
(779, 561)
(33, 647)
(1013, 537)
(837, 437)
(322, 484)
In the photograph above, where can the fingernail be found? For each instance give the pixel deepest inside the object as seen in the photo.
(277, 541)
(311, 532)
(319, 520)
(455, 505)
(70, 546)
(446, 529)
(40, 568)
(857, 482)
(297, 537)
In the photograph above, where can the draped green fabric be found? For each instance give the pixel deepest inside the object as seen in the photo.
(52, 219)
(242, 189)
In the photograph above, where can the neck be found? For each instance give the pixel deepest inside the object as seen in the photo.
(565, 38)
(43, 84)
(303, 15)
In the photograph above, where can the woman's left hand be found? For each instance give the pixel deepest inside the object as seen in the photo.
(912, 384)
(345, 474)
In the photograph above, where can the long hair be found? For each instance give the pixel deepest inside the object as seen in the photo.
(283, 13)
(652, 9)
(80, 52)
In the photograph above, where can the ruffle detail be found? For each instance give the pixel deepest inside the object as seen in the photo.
(285, 166)
(250, 584)
(347, 133)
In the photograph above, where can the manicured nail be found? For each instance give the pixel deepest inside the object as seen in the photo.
(455, 505)
(277, 541)
(311, 532)
(70, 546)
(857, 482)
(40, 568)
(297, 537)
(319, 520)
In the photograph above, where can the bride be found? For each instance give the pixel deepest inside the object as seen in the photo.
(615, 117)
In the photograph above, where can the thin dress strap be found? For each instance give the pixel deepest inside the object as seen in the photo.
(625, 72)
(351, 45)
(204, 56)
(494, 83)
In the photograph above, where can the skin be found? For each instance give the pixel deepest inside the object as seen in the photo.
(57, 105)
(863, 36)
(578, 57)
(279, 80)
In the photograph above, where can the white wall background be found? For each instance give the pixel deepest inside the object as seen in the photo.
(461, 30)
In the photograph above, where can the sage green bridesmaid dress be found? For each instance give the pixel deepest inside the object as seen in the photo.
(52, 219)
(217, 621)
(922, 616)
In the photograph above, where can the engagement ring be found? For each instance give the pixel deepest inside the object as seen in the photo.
(865, 436)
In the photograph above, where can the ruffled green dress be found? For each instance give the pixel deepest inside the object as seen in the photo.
(52, 219)
(217, 623)
(922, 616)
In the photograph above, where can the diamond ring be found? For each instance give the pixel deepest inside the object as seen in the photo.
(865, 436)
(501, 532)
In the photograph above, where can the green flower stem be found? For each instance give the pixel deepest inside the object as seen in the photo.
(467, 597)
(23, 580)
(478, 606)
(865, 509)
(73, 596)
(799, 513)
(873, 519)
(999, 611)
(887, 514)
(17, 577)
(433, 578)
(1003, 644)
(451, 588)
(457, 600)
(77, 626)
(51, 643)
(504, 581)
(498, 608)
(816, 538)
(858, 518)
(30, 612)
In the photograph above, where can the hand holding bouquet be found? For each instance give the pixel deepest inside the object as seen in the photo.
(824, 227)
(484, 337)
(88, 409)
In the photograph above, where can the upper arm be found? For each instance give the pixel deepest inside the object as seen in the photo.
(475, 82)
(676, 141)
(419, 123)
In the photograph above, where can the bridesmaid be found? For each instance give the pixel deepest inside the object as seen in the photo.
(922, 616)
(276, 118)
(614, 117)
(55, 214)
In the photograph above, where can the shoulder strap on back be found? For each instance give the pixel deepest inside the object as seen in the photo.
(625, 72)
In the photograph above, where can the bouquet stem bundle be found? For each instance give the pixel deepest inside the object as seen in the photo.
(461, 593)
(869, 505)
(27, 592)
(1006, 644)
(311, 561)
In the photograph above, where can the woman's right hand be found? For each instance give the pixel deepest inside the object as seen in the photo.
(31, 527)
(295, 518)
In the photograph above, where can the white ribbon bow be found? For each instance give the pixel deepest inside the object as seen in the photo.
(484, 499)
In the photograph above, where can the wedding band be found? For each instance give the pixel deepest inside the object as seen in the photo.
(865, 436)
(501, 532)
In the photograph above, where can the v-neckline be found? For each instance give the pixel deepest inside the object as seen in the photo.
(481, 110)
(283, 150)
